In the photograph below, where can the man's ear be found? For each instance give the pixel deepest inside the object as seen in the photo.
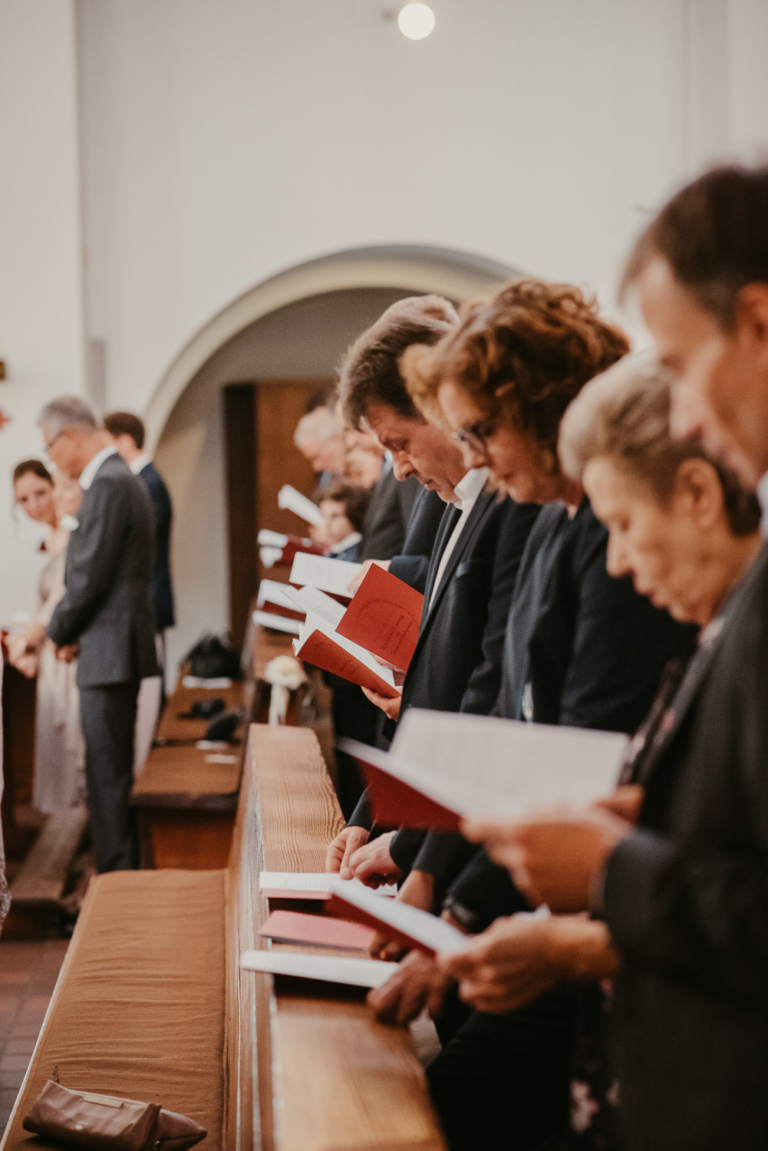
(751, 315)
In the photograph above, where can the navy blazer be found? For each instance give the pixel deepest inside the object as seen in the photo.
(412, 565)
(386, 520)
(162, 592)
(582, 649)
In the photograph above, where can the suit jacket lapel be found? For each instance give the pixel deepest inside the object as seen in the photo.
(447, 524)
(479, 510)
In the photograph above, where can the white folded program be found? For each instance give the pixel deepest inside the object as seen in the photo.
(327, 968)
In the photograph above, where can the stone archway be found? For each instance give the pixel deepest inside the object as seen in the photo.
(422, 268)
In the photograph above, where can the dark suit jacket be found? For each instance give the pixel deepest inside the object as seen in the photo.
(386, 520)
(686, 899)
(107, 605)
(162, 593)
(457, 662)
(412, 565)
(581, 649)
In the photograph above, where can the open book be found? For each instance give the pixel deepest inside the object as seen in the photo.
(399, 921)
(384, 617)
(444, 767)
(278, 548)
(299, 504)
(352, 972)
(322, 572)
(321, 645)
(275, 608)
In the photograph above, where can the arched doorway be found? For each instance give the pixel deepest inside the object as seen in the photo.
(293, 326)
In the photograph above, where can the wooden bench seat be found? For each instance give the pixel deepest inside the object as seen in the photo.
(186, 801)
(139, 1006)
(152, 1004)
(173, 729)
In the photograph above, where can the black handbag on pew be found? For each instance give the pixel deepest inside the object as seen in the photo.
(107, 1122)
(214, 657)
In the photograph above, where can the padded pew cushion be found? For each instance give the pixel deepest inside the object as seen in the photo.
(139, 1007)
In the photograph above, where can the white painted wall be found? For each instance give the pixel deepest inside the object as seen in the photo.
(302, 341)
(41, 298)
(228, 139)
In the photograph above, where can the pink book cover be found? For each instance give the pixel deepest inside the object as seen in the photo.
(317, 930)
(384, 617)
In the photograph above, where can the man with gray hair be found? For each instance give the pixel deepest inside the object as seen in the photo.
(320, 438)
(107, 614)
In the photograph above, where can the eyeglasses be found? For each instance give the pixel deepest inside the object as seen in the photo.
(50, 443)
(475, 437)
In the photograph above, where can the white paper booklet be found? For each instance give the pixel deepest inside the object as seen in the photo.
(324, 573)
(314, 881)
(410, 924)
(489, 768)
(328, 968)
(267, 538)
(272, 592)
(295, 502)
(315, 603)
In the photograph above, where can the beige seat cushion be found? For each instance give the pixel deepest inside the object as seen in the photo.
(139, 1008)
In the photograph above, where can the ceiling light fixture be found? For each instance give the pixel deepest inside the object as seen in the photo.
(416, 21)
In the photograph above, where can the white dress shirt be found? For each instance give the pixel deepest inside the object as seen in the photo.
(140, 463)
(88, 474)
(467, 490)
(762, 495)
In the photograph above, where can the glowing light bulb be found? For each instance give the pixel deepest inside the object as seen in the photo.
(416, 21)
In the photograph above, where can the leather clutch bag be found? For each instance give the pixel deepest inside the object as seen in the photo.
(84, 1119)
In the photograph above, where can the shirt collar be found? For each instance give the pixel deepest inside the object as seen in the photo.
(140, 463)
(469, 486)
(348, 542)
(762, 495)
(88, 474)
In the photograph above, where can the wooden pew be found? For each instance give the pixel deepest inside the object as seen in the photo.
(173, 729)
(151, 1002)
(186, 801)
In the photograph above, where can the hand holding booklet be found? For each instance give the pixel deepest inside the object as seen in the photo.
(445, 767)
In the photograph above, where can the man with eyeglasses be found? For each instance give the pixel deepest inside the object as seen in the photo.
(106, 615)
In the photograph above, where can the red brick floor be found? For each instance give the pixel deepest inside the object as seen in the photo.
(28, 973)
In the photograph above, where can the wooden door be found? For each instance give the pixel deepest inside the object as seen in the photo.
(260, 419)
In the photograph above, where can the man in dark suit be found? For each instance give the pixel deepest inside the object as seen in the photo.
(128, 435)
(472, 571)
(386, 520)
(107, 614)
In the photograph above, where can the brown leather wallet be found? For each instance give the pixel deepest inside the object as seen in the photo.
(85, 1119)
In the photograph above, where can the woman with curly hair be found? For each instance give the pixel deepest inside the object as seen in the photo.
(582, 649)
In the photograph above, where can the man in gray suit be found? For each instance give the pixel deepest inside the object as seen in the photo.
(107, 613)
